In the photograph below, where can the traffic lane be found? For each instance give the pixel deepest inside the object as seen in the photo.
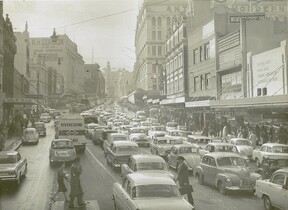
(34, 189)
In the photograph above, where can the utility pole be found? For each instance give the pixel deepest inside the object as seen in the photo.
(37, 113)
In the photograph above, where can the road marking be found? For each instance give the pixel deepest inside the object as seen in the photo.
(101, 165)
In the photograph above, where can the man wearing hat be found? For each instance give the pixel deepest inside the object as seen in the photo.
(76, 188)
(183, 177)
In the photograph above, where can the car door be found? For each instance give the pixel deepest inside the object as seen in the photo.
(262, 153)
(121, 196)
(110, 153)
(211, 170)
(278, 195)
(204, 165)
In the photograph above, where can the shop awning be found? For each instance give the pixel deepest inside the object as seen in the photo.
(193, 104)
(19, 101)
(171, 101)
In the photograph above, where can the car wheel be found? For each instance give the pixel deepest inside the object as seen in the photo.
(200, 179)
(221, 188)
(267, 203)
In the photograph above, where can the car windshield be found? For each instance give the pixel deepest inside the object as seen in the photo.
(155, 191)
(174, 133)
(146, 124)
(151, 166)
(230, 161)
(242, 142)
(172, 124)
(280, 149)
(127, 149)
(160, 129)
(6, 159)
(92, 126)
(184, 134)
(29, 132)
(120, 138)
(226, 148)
(183, 150)
(137, 131)
(62, 144)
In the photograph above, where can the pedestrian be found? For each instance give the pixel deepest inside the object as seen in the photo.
(183, 177)
(61, 176)
(75, 184)
(253, 139)
(2, 139)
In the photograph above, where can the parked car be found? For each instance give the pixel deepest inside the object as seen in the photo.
(61, 150)
(162, 145)
(188, 152)
(244, 146)
(274, 191)
(270, 165)
(13, 167)
(150, 192)
(40, 128)
(156, 131)
(151, 164)
(171, 126)
(139, 136)
(119, 152)
(112, 137)
(97, 134)
(225, 171)
(89, 128)
(268, 150)
(45, 117)
(30, 136)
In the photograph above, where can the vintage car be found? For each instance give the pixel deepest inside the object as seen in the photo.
(13, 167)
(270, 165)
(118, 153)
(162, 145)
(97, 134)
(105, 134)
(156, 131)
(141, 115)
(218, 147)
(243, 145)
(116, 125)
(124, 129)
(199, 140)
(145, 125)
(45, 117)
(135, 121)
(111, 138)
(178, 134)
(139, 136)
(274, 191)
(30, 136)
(171, 126)
(226, 171)
(149, 192)
(189, 152)
(268, 150)
(89, 130)
(151, 164)
(40, 128)
(61, 150)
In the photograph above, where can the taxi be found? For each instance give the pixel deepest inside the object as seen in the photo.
(148, 191)
(61, 150)
(13, 167)
(30, 136)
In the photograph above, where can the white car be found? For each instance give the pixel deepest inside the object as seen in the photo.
(243, 145)
(156, 131)
(139, 136)
(171, 126)
(89, 129)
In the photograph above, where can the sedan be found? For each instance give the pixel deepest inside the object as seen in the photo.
(162, 146)
(30, 136)
(139, 136)
(13, 167)
(243, 145)
(61, 150)
(150, 192)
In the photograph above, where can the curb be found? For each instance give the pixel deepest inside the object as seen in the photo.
(14, 146)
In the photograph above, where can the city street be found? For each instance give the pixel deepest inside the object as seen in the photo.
(97, 179)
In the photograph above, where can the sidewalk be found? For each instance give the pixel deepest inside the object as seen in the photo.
(12, 143)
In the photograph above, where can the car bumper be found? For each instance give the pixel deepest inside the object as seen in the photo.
(8, 178)
(29, 141)
(240, 188)
(62, 159)
(41, 133)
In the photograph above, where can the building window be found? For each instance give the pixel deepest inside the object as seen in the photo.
(168, 20)
(159, 51)
(202, 81)
(159, 35)
(154, 68)
(207, 81)
(201, 53)
(153, 21)
(153, 35)
(159, 22)
(154, 50)
(195, 56)
(196, 83)
(207, 51)
(181, 84)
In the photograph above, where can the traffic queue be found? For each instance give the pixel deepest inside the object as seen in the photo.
(230, 165)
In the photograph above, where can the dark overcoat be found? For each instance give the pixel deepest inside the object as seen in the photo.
(183, 174)
(76, 188)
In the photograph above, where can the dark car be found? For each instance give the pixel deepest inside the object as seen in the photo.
(105, 135)
(97, 134)
(270, 165)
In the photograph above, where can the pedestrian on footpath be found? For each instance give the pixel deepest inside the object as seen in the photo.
(76, 188)
(2, 139)
(183, 179)
(61, 176)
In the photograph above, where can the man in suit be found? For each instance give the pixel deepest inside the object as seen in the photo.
(183, 177)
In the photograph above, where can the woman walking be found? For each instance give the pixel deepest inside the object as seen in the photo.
(61, 185)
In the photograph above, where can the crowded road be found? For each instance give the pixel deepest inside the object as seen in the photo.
(97, 181)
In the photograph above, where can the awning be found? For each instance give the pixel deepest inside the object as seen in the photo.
(193, 104)
(173, 101)
(19, 101)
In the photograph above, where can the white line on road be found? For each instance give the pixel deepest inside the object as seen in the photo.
(101, 165)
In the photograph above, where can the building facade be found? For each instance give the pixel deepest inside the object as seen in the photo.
(154, 21)
(94, 82)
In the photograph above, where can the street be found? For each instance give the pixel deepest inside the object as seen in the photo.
(97, 179)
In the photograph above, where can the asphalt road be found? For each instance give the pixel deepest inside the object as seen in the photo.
(97, 181)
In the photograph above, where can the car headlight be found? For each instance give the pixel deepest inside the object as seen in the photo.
(228, 179)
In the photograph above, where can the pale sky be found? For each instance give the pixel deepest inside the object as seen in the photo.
(107, 26)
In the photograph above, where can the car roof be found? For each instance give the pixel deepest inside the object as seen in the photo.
(284, 169)
(148, 179)
(39, 123)
(9, 152)
(198, 137)
(30, 129)
(124, 143)
(141, 158)
(273, 144)
(220, 144)
(117, 134)
(55, 140)
(185, 145)
(235, 139)
(222, 154)
(166, 138)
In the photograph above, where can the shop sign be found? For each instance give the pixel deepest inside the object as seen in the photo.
(237, 18)
(19, 100)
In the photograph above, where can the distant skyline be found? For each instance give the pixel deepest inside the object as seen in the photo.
(103, 29)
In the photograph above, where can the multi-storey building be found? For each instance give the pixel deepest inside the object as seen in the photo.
(62, 55)
(94, 82)
(125, 83)
(153, 24)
